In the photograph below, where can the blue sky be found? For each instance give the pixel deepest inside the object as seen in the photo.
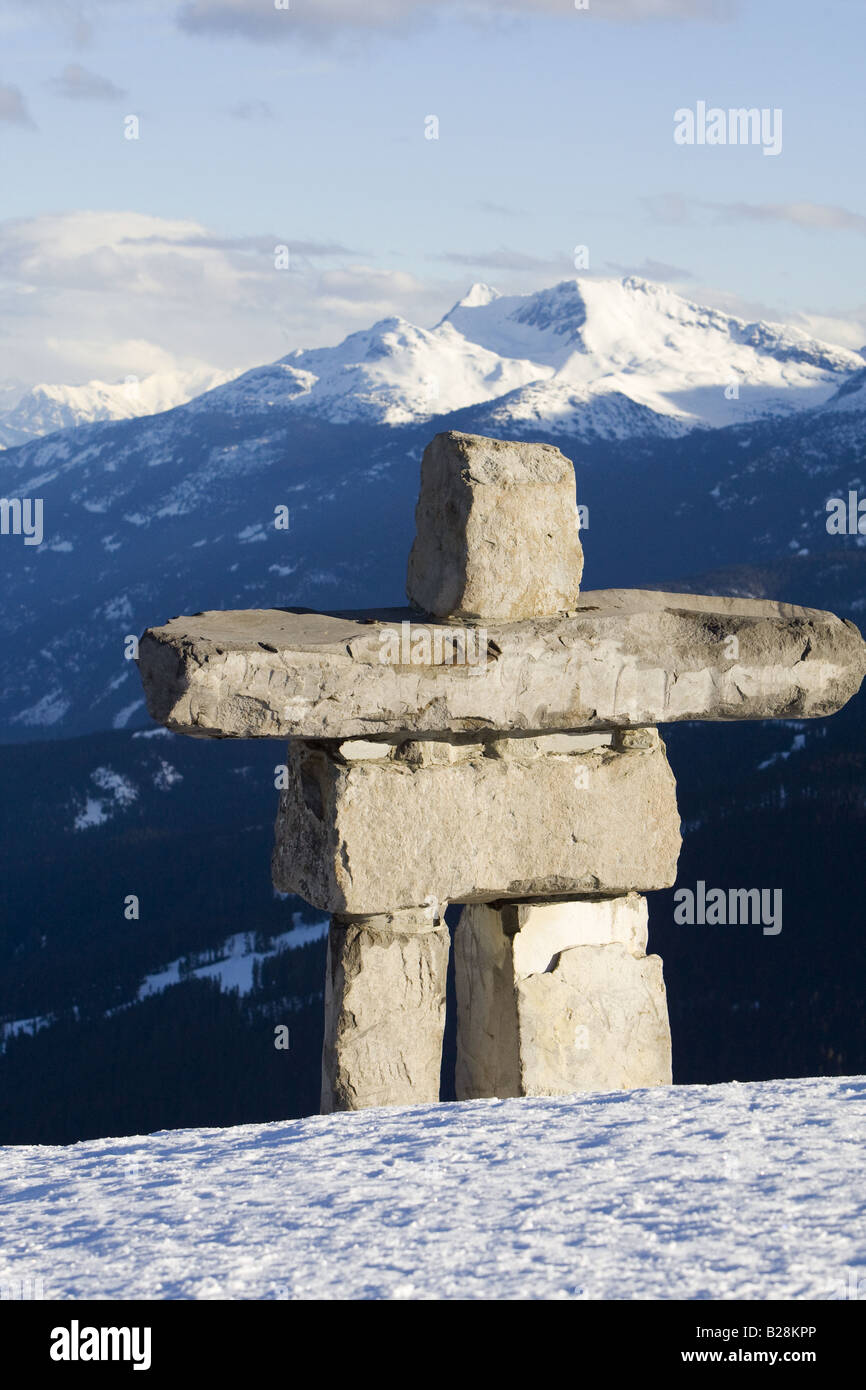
(306, 127)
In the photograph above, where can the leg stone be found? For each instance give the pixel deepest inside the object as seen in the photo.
(384, 1010)
(556, 998)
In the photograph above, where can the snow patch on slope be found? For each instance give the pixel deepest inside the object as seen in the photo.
(48, 710)
(117, 793)
(234, 967)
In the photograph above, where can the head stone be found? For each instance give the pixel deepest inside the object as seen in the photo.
(497, 534)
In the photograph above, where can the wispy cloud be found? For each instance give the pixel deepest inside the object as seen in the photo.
(653, 270)
(109, 294)
(504, 259)
(674, 209)
(252, 111)
(847, 327)
(499, 210)
(324, 18)
(671, 209)
(81, 30)
(80, 84)
(364, 285)
(262, 245)
(13, 106)
(823, 217)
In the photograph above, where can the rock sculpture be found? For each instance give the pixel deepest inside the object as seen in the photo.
(495, 746)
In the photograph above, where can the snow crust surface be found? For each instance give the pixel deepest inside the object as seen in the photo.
(740, 1191)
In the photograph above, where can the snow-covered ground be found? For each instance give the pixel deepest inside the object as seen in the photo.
(751, 1191)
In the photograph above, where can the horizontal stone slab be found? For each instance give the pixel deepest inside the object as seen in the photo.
(622, 657)
(368, 837)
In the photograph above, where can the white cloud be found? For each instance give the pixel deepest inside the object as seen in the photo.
(847, 329)
(107, 295)
(363, 284)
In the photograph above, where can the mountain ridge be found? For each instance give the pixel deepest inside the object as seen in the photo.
(47, 408)
(562, 355)
(174, 512)
(605, 358)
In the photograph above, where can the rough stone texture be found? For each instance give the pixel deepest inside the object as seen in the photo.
(539, 931)
(371, 836)
(384, 1015)
(597, 1021)
(623, 657)
(406, 922)
(454, 749)
(558, 998)
(497, 531)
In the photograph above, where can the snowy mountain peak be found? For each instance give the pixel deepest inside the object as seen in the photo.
(478, 295)
(600, 358)
(45, 409)
(561, 310)
(607, 357)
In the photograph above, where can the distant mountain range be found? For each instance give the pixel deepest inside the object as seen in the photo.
(593, 358)
(26, 415)
(174, 512)
(606, 357)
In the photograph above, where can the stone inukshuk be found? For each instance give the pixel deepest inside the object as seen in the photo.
(493, 746)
